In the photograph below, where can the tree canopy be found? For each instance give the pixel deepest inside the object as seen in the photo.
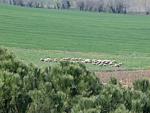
(65, 88)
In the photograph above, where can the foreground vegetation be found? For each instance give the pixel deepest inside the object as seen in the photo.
(124, 38)
(65, 88)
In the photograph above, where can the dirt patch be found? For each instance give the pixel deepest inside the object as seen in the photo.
(124, 77)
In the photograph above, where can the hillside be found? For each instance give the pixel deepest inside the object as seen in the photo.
(122, 37)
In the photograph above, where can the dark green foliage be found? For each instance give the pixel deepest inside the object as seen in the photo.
(65, 88)
(142, 85)
(113, 81)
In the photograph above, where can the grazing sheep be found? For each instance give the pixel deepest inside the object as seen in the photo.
(46, 60)
(80, 60)
(99, 61)
(41, 59)
(117, 65)
(72, 59)
(65, 59)
(87, 61)
(55, 60)
(107, 61)
(83, 61)
(110, 63)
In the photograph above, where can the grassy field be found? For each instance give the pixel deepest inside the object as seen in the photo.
(35, 33)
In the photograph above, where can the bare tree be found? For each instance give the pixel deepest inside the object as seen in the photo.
(65, 4)
(114, 6)
(80, 4)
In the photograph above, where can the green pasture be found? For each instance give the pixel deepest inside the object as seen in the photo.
(36, 33)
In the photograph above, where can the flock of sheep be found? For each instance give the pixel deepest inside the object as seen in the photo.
(112, 63)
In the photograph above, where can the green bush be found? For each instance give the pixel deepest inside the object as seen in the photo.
(65, 88)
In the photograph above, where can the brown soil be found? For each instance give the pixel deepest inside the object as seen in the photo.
(124, 77)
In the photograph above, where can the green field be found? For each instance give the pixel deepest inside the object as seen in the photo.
(35, 33)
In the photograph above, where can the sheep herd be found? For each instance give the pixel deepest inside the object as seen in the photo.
(112, 63)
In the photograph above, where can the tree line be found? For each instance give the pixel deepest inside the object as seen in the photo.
(65, 88)
(113, 6)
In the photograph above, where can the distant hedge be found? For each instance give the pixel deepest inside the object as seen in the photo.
(65, 88)
(114, 6)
